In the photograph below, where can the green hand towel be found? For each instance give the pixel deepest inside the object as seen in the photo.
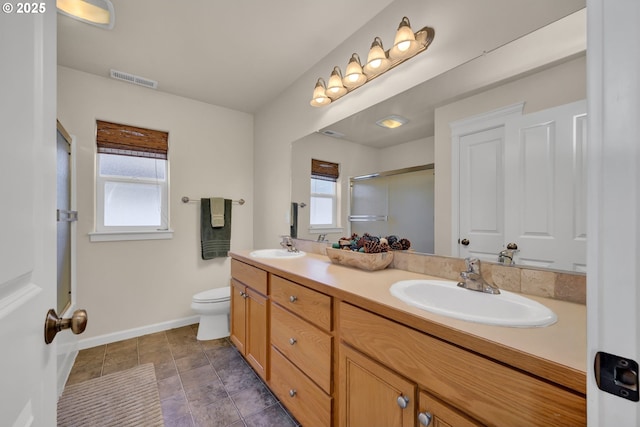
(216, 242)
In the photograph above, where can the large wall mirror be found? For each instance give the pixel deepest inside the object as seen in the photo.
(470, 90)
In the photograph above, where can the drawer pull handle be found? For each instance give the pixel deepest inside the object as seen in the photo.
(292, 341)
(293, 298)
(403, 401)
(425, 418)
(293, 392)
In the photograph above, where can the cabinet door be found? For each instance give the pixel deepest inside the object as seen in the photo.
(434, 413)
(256, 345)
(238, 315)
(372, 395)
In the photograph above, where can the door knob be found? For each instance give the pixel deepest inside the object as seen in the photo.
(53, 324)
(464, 242)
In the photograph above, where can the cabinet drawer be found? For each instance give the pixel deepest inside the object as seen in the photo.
(305, 302)
(306, 346)
(490, 392)
(249, 275)
(306, 401)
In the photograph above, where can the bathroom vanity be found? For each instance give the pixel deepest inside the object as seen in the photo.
(338, 349)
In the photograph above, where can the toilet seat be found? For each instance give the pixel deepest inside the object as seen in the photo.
(213, 295)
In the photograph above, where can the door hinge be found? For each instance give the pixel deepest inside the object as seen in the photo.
(66, 216)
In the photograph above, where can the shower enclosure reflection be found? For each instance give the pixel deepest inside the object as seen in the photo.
(398, 202)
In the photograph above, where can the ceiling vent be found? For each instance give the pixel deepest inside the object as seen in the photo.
(136, 80)
(332, 133)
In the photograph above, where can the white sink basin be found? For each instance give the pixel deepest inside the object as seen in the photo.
(446, 298)
(276, 254)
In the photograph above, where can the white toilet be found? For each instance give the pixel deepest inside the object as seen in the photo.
(213, 306)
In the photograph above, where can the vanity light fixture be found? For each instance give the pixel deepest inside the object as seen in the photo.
(94, 12)
(320, 97)
(392, 122)
(406, 45)
(335, 87)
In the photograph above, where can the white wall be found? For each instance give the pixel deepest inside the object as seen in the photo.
(413, 153)
(134, 284)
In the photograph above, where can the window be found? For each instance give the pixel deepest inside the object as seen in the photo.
(132, 183)
(323, 205)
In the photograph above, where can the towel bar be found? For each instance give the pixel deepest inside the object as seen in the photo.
(186, 199)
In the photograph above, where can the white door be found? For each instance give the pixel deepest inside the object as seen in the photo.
(545, 188)
(27, 215)
(482, 193)
(613, 276)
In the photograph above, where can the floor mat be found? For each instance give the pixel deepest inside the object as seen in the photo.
(126, 398)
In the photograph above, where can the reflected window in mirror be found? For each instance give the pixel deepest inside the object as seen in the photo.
(324, 197)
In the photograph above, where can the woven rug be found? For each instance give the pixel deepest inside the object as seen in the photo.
(126, 398)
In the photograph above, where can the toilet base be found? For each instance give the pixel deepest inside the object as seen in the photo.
(213, 327)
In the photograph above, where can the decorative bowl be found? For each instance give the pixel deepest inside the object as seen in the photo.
(361, 260)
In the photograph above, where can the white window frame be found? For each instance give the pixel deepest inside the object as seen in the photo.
(117, 233)
(335, 203)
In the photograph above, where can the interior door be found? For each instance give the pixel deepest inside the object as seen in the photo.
(481, 205)
(546, 188)
(27, 217)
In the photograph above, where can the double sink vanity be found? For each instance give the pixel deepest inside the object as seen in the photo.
(341, 346)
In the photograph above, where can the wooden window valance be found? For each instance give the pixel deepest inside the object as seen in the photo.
(328, 171)
(113, 138)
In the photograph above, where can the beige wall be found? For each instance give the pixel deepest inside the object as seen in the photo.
(559, 85)
(134, 284)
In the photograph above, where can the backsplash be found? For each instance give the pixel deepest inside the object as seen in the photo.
(565, 286)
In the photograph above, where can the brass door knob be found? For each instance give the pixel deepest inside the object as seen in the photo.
(53, 324)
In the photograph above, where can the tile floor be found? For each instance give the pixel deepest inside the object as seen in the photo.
(201, 383)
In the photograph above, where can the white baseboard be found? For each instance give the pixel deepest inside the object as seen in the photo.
(136, 332)
(66, 359)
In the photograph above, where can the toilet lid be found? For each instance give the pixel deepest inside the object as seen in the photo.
(213, 295)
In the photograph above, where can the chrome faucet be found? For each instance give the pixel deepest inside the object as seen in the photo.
(472, 278)
(287, 243)
(506, 256)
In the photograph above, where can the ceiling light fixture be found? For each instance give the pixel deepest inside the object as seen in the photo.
(392, 122)
(95, 12)
(406, 45)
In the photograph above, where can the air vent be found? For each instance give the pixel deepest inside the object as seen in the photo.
(332, 133)
(136, 80)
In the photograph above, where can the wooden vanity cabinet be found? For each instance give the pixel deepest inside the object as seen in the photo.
(433, 412)
(250, 315)
(472, 387)
(372, 395)
(301, 351)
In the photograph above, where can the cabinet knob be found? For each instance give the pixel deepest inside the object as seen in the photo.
(403, 401)
(292, 341)
(293, 298)
(425, 418)
(243, 294)
(293, 392)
